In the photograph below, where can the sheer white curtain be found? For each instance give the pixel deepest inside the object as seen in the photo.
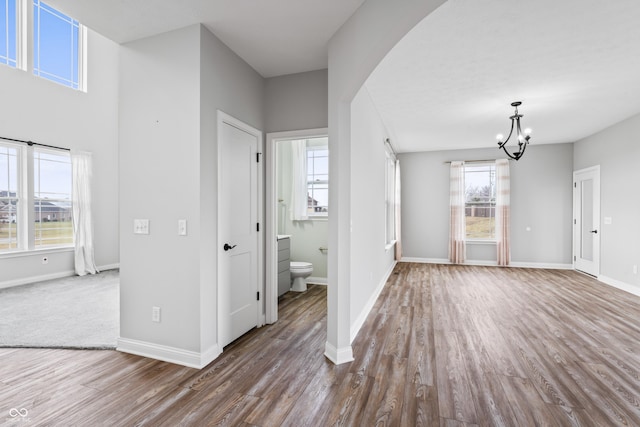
(457, 230)
(82, 219)
(299, 198)
(398, 252)
(503, 212)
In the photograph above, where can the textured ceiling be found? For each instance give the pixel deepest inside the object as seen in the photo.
(449, 83)
(275, 37)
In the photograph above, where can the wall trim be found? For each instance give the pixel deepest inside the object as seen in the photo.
(59, 275)
(190, 359)
(317, 280)
(542, 265)
(338, 356)
(34, 279)
(635, 290)
(362, 317)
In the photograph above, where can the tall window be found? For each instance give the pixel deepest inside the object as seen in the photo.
(317, 177)
(52, 199)
(47, 190)
(8, 33)
(57, 46)
(390, 195)
(480, 200)
(9, 198)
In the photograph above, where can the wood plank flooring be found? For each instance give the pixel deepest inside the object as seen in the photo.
(443, 346)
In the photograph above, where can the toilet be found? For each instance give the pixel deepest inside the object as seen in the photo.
(299, 273)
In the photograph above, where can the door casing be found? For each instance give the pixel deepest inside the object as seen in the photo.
(589, 267)
(222, 119)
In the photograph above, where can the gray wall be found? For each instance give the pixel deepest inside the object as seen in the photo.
(296, 101)
(616, 150)
(171, 86)
(541, 199)
(42, 111)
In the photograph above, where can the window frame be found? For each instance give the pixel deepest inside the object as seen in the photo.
(25, 208)
(492, 200)
(390, 196)
(81, 43)
(312, 214)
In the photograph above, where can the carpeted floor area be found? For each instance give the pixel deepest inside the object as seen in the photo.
(73, 312)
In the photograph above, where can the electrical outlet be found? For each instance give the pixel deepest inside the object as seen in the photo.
(155, 314)
(45, 260)
(635, 269)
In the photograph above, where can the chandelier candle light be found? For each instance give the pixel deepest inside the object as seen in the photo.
(523, 138)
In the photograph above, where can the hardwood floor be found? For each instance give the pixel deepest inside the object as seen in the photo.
(443, 346)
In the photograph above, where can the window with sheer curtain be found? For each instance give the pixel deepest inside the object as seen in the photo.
(35, 198)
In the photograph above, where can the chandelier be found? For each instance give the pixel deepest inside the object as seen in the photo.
(523, 138)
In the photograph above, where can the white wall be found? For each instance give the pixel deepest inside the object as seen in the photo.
(354, 51)
(616, 150)
(306, 236)
(45, 112)
(541, 199)
(371, 260)
(171, 86)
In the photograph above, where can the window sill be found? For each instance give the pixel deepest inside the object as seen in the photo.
(318, 218)
(480, 242)
(35, 252)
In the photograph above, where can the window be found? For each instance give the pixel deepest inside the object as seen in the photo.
(46, 204)
(52, 199)
(9, 198)
(9, 33)
(480, 200)
(317, 177)
(390, 195)
(57, 46)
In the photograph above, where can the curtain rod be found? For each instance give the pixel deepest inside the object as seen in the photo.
(31, 143)
(474, 161)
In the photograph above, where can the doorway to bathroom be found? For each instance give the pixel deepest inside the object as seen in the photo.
(297, 196)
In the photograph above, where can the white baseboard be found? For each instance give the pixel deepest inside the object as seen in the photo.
(109, 267)
(178, 356)
(515, 264)
(338, 356)
(317, 280)
(362, 317)
(34, 279)
(52, 276)
(635, 290)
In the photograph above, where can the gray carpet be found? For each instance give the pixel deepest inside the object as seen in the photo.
(73, 312)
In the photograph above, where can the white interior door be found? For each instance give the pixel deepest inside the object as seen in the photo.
(238, 236)
(586, 228)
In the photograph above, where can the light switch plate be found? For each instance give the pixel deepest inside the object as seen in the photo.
(140, 226)
(182, 227)
(607, 220)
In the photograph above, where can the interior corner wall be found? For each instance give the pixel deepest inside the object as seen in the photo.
(160, 181)
(617, 150)
(229, 84)
(541, 200)
(296, 101)
(370, 259)
(39, 110)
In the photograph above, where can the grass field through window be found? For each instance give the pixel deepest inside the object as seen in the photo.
(480, 228)
(46, 234)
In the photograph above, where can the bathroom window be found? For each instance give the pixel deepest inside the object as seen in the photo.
(317, 177)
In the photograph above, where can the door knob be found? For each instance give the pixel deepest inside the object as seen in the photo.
(227, 246)
(594, 231)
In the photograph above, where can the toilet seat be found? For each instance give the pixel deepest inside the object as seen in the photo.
(300, 266)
